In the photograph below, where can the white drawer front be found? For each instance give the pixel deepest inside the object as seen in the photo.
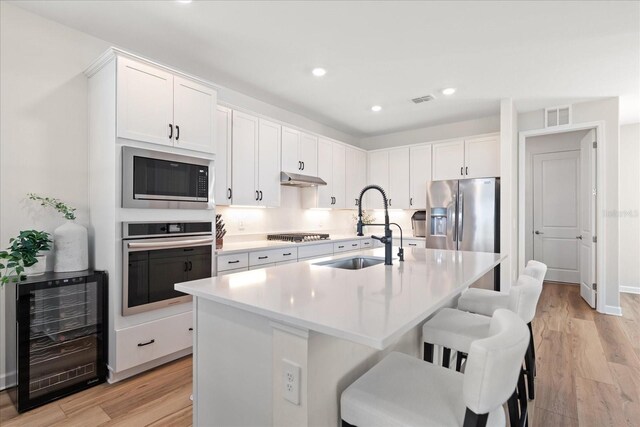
(233, 262)
(349, 245)
(272, 255)
(313, 251)
(143, 343)
(366, 244)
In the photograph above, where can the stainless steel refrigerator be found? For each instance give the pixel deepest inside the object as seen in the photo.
(464, 215)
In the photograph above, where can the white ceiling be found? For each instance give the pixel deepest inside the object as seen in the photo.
(538, 53)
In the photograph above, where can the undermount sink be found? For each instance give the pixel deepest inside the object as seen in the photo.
(352, 263)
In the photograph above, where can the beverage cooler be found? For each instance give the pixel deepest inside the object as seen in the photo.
(60, 344)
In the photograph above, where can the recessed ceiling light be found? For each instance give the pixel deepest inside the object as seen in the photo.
(376, 108)
(449, 91)
(318, 72)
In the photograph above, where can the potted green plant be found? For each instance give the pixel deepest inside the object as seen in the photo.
(22, 257)
(70, 239)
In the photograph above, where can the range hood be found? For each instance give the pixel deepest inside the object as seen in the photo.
(298, 180)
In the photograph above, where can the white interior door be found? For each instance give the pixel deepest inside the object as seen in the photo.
(587, 218)
(556, 214)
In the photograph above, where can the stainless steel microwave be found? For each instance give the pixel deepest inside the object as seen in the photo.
(153, 179)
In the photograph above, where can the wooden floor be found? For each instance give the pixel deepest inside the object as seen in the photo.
(588, 375)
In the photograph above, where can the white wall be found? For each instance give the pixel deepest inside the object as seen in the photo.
(433, 133)
(630, 208)
(543, 144)
(608, 112)
(43, 122)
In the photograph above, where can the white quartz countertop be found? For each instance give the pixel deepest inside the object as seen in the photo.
(374, 306)
(230, 248)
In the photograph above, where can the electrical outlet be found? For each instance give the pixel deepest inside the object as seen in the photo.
(291, 381)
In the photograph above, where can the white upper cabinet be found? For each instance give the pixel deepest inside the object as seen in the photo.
(378, 174)
(255, 170)
(144, 102)
(448, 160)
(398, 192)
(268, 183)
(308, 153)
(331, 168)
(299, 152)
(194, 109)
(482, 157)
(156, 106)
(420, 174)
(244, 159)
(222, 183)
(355, 175)
(465, 159)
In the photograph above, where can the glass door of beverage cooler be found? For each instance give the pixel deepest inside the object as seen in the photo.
(61, 338)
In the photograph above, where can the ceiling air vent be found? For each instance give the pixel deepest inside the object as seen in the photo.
(425, 98)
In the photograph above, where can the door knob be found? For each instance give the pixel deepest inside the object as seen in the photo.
(579, 237)
(539, 232)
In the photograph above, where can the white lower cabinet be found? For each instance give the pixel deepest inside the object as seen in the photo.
(314, 251)
(272, 255)
(233, 262)
(149, 341)
(349, 245)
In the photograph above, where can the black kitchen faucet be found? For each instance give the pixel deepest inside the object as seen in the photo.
(387, 239)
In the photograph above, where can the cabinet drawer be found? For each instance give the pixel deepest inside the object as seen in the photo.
(410, 243)
(146, 342)
(233, 262)
(313, 251)
(349, 245)
(272, 255)
(366, 244)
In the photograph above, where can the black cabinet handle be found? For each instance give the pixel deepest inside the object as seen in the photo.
(461, 171)
(233, 262)
(263, 257)
(177, 132)
(340, 247)
(186, 266)
(289, 254)
(389, 202)
(299, 165)
(411, 201)
(170, 131)
(142, 344)
(229, 193)
(412, 244)
(356, 202)
(466, 170)
(354, 244)
(257, 195)
(260, 194)
(190, 329)
(190, 266)
(302, 165)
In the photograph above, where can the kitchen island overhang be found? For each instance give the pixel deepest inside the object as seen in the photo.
(332, 323)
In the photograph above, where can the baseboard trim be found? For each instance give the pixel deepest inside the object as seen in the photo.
(630, 289)
(7, 380)
(613, 310)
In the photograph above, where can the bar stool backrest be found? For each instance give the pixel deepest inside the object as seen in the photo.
(535, 269)
(523, 298)
(493, 364)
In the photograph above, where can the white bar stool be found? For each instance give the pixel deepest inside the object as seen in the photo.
(404, 391)
(457, 330)
(483, 301)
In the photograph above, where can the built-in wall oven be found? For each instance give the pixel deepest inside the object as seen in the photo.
(153, 179)
(156, 256)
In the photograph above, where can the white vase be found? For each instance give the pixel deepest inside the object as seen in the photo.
(38, 268)
(71, 248)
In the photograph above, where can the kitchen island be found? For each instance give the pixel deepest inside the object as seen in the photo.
(325, 326)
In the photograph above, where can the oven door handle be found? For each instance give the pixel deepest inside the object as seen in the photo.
(170, 245)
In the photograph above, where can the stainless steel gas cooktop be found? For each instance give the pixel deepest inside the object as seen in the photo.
(298, 237)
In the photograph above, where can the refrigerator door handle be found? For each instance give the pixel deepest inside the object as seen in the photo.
(460, 216)
(451, 217)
